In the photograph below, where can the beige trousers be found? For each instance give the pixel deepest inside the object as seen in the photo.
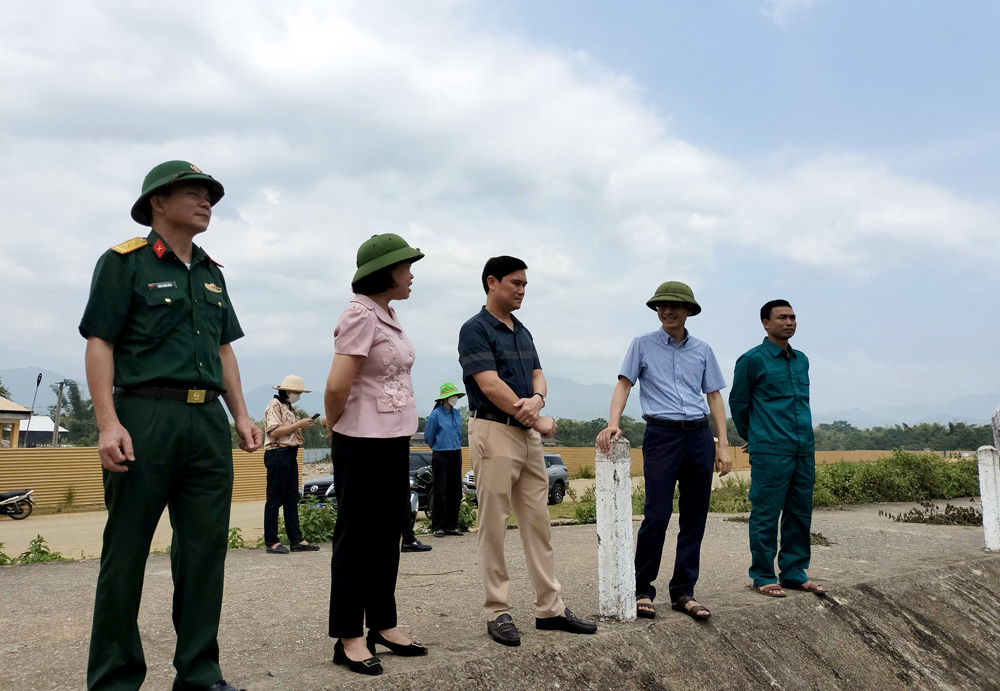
(510, 474)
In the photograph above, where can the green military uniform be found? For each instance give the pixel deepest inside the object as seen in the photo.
(769, 402)
(167, 323)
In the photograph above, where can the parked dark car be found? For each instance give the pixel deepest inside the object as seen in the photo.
(420, 462)
(316, 486)
(554, 466)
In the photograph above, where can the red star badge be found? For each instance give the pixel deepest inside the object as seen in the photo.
(159, 248)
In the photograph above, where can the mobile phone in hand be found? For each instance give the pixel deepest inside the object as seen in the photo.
(315, 416)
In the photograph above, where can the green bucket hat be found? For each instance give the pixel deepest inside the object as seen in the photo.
(674, 291)
(381, 251)
(447, 391)
(167, 174)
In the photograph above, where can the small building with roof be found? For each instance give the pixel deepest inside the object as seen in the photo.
(14, 415)
(39, 431)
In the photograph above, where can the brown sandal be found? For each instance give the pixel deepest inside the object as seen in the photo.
(809, 587)
(696, 612)
(645, 610)
(769, 589)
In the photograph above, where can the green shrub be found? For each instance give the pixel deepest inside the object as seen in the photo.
(4, 559)
(571, 493)
(639, 499)
(586, 512)
(732, 496)
(466, 514)
(317, 521)
(38, 551)
(236, 539)
(904, 476)
(585, 472)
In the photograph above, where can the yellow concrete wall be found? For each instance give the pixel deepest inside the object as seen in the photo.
(51, 472)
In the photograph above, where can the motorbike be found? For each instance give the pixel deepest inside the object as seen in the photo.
(17, 504)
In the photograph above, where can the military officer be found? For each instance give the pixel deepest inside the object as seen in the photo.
(159, 324)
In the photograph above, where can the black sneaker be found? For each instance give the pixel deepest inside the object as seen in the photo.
(503, 631)
(439, 533)
(280, 549)
(452, 532)
(569, 623)
(415, 546)
(309, 547)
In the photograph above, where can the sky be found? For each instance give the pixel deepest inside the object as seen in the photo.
(839, 154)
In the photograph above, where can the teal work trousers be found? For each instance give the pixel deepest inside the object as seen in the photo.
(780, 486)
(183, 461)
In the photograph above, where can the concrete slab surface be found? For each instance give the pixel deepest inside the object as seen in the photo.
(273, 631)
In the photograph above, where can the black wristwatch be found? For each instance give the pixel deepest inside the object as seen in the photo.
(539, 395)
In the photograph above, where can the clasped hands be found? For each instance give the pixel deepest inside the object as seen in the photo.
(526, 411)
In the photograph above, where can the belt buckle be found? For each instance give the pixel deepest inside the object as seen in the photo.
(689, 424)
(196, 396)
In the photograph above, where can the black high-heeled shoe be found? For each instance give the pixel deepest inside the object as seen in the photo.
(414, 649)
(372, 666)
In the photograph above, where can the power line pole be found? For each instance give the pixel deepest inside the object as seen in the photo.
(55, 429)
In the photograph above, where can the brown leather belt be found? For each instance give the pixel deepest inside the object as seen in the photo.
(183, 395)
(493, 417)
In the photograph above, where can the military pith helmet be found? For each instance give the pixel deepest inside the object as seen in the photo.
(447, 391)
(381, 251)
(165, 175)
(674, 291)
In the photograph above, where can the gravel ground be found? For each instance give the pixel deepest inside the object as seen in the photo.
(273, 631)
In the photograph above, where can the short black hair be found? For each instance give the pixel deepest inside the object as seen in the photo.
(765, 311)
(376, 282)
(498, 267)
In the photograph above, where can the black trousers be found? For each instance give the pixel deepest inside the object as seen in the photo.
(371, 482)
(282, 493)
(674, 457)
(446, 494)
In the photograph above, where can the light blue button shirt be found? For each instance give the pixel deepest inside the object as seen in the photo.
(672, 376)
(443, 431)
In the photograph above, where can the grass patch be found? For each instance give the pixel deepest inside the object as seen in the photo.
(931, 515)
(316, 519)
(819, 539)
(585, 472)
(732, 496)
(737, 519)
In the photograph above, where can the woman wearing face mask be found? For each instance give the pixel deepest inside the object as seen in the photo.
(370, 407)
(443, 433)
(283, 437)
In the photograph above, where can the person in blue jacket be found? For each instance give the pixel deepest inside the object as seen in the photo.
(443, 433)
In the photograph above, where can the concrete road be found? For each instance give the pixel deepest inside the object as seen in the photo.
(273, 632)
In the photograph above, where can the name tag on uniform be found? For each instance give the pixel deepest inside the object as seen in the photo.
(162, 285)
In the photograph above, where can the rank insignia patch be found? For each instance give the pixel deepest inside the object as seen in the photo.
(159, 248)
(214, 288)
(130, 245)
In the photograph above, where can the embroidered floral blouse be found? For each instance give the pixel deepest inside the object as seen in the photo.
(381, 402)
(278, 414)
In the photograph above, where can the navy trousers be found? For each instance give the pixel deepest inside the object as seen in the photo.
(670, 457)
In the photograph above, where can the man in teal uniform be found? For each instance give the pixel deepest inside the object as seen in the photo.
(159, 325)
(770, 406)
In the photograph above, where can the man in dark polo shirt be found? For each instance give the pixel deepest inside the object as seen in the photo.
(506, 388)
(158, 325)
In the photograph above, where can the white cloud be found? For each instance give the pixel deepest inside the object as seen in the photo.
(779, 11)
(329, 122)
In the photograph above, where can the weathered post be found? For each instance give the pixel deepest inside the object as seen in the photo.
(989, 487)
(615, 566)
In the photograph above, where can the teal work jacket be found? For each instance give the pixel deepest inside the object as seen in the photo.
(769, 401)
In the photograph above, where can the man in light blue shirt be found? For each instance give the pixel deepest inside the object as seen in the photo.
(679, 387)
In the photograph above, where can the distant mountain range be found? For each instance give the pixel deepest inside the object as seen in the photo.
(566, 398)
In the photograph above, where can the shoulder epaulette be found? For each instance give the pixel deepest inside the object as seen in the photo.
(130, 245)
(213, 261)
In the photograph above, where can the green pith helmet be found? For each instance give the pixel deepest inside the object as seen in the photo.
(167, 174)
(674, 291)
(381, 251)
(447, 391)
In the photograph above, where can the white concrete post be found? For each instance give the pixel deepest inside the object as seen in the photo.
(615, 565)
(989, 491)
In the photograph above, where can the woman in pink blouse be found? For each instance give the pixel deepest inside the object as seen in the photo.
(370, 407)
